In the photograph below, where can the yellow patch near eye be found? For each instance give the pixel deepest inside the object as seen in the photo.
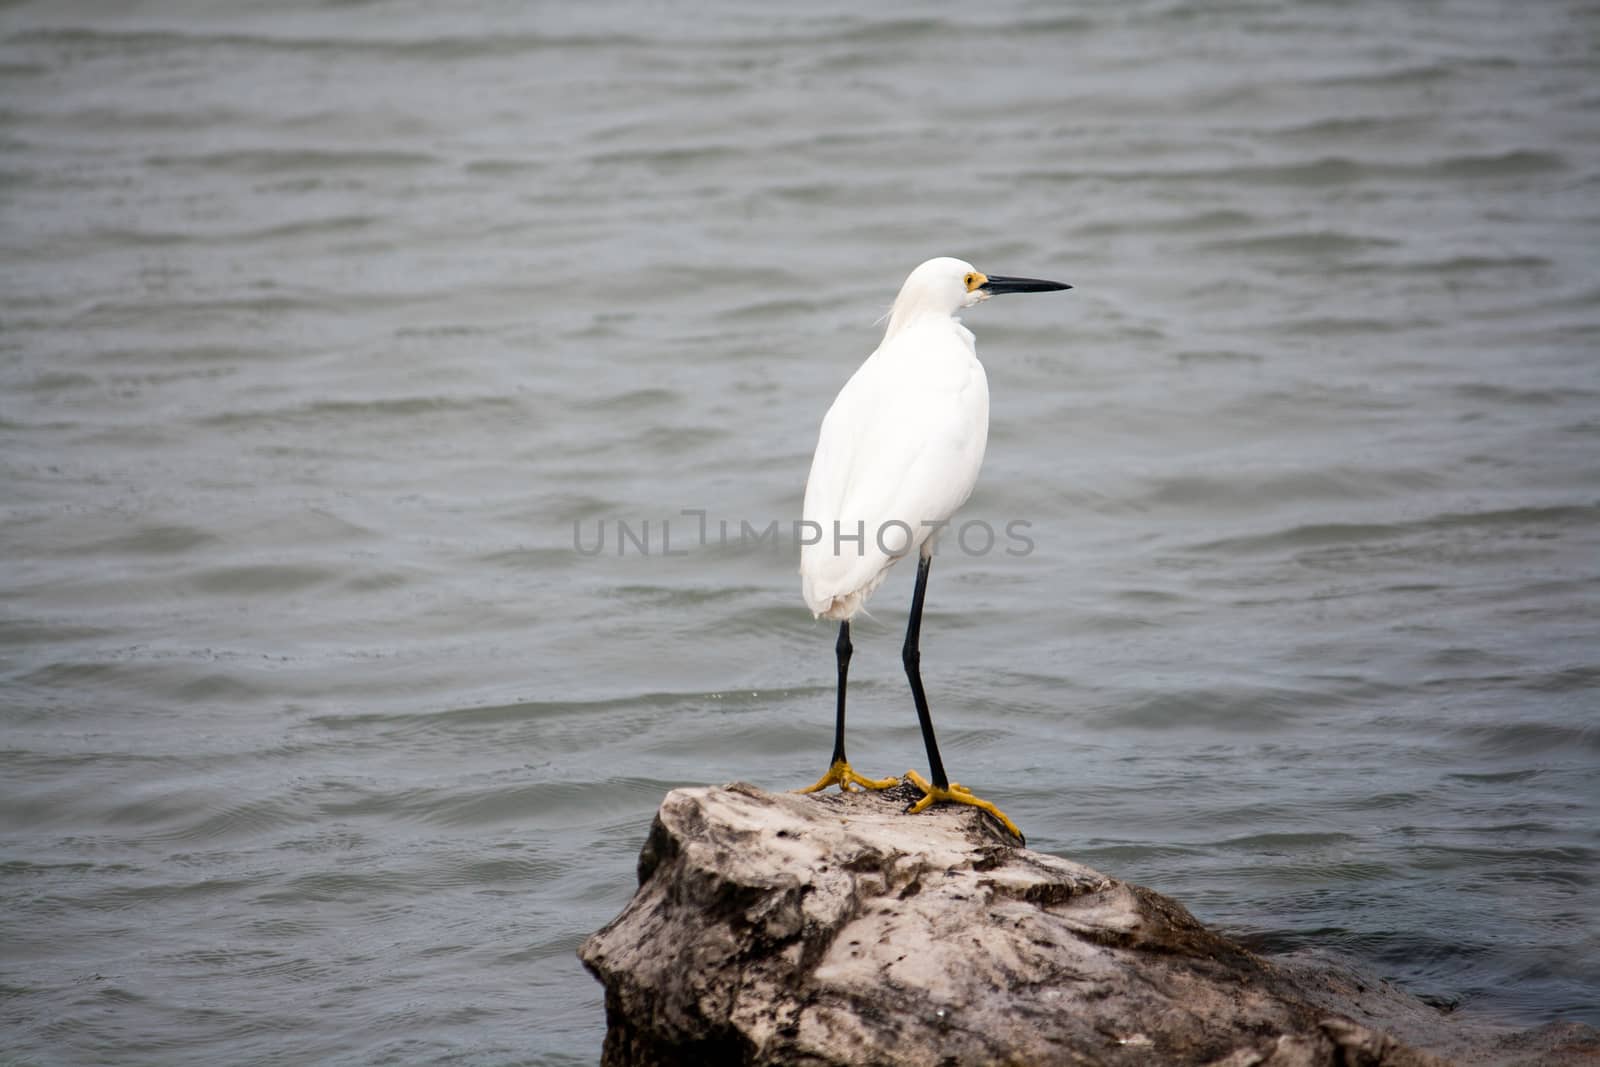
(974, 279)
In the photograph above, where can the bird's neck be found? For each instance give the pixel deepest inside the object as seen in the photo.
(902, 318)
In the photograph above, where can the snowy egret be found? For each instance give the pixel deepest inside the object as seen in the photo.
(899, 452)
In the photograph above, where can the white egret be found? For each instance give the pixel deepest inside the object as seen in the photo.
(899, 452)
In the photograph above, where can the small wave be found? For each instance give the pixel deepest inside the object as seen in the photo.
(233, 820)
(1328, 171)
(1464, 264)
(1530, 738)
(160, 539)
(1196, 222)
(1215, 355)
(1362, 127)
(260, 161)
(547, 803)
(124, 897)
(23, 632)
(1241, 710)
(398, 407)
(770, 310)
(436, 48)
(1510, 394)
(1417, 73)
(670, 157)
(1496, 778)
(531, 561)
(57, 382)
(496, 716)
(1567, 680)
(1284, 841)
(1314, 535)
(672, 597)
(1302, 536)
(1272, 489)
(1301, 244)
(858, 31)
(121, 119)
(327, 226)
(262, 578)
(1352, 326)
(505, 168)
(632, 400)
(121, 313)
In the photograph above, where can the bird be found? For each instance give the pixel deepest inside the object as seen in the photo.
(898, 452)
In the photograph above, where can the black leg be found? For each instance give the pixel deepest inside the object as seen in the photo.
(839, 771)
(911, 656)
(843, 648)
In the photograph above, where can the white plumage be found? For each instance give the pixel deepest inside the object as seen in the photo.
(902, 444)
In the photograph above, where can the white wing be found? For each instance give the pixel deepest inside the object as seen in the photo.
(902, 444)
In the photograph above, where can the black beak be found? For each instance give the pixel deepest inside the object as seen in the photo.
(997, 285)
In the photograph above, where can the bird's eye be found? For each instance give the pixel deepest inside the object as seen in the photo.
(970, 280)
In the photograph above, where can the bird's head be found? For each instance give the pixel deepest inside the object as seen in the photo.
(945, 286)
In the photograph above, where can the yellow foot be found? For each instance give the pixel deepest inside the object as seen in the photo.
(957, 794)
(840, 774)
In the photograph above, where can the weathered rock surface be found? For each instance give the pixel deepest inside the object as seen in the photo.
(834, 929)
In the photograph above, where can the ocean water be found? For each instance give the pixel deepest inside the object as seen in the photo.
(367, 371)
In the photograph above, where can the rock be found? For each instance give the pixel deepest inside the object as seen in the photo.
(833, 929)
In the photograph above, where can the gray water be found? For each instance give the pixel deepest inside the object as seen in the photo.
(330, 334)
